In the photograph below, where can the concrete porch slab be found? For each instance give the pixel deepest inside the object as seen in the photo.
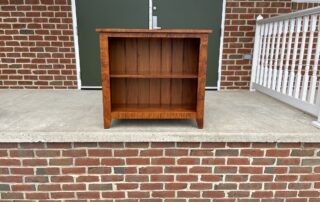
(76, 116)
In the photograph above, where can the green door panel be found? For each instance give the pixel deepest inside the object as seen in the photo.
(195, 14)
(92, 14)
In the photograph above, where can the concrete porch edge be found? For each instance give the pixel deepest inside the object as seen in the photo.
(7, 137)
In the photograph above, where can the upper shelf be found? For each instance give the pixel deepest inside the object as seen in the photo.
(164, 31)
(156, 75)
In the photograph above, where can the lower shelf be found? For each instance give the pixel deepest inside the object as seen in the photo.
(124, 111)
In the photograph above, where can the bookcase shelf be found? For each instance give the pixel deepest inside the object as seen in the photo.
(150, 74)
(155, 76)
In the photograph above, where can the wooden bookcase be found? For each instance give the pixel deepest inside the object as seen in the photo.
(153, 74)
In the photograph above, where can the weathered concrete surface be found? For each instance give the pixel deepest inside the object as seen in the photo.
(76, 116)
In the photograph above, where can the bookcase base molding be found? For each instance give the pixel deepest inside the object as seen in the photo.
(153, 74)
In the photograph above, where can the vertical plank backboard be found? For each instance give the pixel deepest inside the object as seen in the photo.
(177, 67)
(143, 68)
(155, 67)
(131, 68)
(166, 60)
(118, 64)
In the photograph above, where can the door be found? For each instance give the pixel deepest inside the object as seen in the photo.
(92, 14)
(194, 14)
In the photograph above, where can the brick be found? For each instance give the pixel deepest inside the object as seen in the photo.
(48, 171)
(151, 152)
(36, 179)
(188, 161)
(225, 186)
(19, 187)
(297, 152)
(163, 178)
(100, 152)
(21, 153)
(251, 152)
(188, 194)
(227, 152)
(113, 194)
(138, 161)
(61, 162)
(5, 187)
(49, 187)
(22, 171)
(310, 162)
(100, 186)
(176, 169)
(74, 170)
(87, 162)
(74, 153)
(176, 186)
(126, 152)
(88, 195)
(73, 187)
(213, 194)
(151, 186)
(88, 178)
(127, 186)
(163, 194)
(162, 161)
(236, 178)
(112, 161)
(97, 170)
(187, 178)
(152, 170)
(225, 169)
(136, 178)
(176, 152)
(62, 195)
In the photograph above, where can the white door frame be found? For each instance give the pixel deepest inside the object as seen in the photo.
(77, 53)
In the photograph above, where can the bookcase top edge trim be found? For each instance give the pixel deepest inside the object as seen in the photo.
(163, 31)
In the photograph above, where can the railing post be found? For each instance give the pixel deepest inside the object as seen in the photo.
(317, 123)
(255, 53)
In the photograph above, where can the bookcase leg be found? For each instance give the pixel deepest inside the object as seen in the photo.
(106, 123)
(200, 123)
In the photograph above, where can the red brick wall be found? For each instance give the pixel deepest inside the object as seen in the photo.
(250, 172)
(36, 44)
(37, 49)
(239, 36)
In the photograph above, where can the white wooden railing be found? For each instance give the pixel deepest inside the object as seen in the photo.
(286, 59)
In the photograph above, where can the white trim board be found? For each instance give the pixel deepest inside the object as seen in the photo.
(223, 19)
(76, 41)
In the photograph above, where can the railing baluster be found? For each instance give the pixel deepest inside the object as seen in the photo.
(275, 29)
(266, 67)
(275, 71)
(283, 48)
(314, 78)
(263, 58)
(306, 73)
(260, 53)
(302, 48)
(286, 70)
(294, 57)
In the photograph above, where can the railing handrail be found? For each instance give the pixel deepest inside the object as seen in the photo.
(288, 16)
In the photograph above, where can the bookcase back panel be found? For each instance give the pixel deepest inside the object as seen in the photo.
(153, 55)
(126, 91)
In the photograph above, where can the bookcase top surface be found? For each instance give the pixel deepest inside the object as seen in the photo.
(167, 31)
